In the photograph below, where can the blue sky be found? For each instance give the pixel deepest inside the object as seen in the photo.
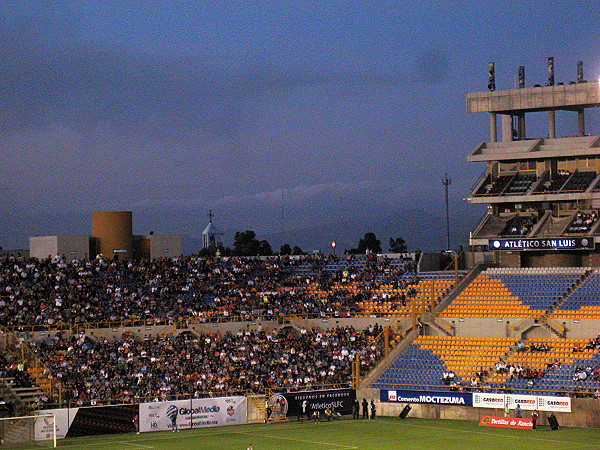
(273, 114)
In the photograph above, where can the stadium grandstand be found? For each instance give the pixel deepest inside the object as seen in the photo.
(143, 343)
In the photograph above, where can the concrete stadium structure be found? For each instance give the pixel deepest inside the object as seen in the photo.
(543, 193)
(112, 236)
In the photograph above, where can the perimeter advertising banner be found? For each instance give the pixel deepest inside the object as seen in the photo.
(340, 400)
(527, 402)
(556, 404)
(439, 398)
(506, 422)
(193, 413)
(63, 418)
(485, 400)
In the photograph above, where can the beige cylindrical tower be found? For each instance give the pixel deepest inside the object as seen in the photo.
(114, 232)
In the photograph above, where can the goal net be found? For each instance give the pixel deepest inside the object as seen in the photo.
(28, 431)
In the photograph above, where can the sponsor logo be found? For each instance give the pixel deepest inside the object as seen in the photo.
(230, 411)
(493, 399)
(279, 406)
(445, 400)
(523, 401)
(420, 397)
(505, 422)
(200, 410)
(500, 421)
(172, 413)
(325, 405)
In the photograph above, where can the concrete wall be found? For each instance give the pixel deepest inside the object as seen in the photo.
(224, 327)
(508, 259)
(576, 329)
(582, 329)
(548, 259)
(165, 245)
(535, 98)
(481, 326)
(72, 247)
(42, 247)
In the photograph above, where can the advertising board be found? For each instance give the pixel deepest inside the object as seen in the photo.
(193, 413)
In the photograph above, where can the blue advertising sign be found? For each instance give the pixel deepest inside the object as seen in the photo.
(558, 243)
(437, 398)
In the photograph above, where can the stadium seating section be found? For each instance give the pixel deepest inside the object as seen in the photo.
(422, 365)
(60, 296)
(566, 293)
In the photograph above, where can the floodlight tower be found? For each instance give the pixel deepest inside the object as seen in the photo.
(446, 182)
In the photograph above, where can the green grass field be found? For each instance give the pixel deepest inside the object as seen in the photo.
(383, 433)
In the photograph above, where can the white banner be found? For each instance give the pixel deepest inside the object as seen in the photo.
(556, 404)
(525, 401)
(194, 413)
(486, 400)
(63, 417)
(528, 402)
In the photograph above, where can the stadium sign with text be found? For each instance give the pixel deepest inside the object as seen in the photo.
(436, 398)
(488, 400)
(193, 413)
(63, 418)
(558, 243)
(506, 422)
(558, 404)
(529, 402)
(340, 400)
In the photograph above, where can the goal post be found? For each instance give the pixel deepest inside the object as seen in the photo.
(38, 430)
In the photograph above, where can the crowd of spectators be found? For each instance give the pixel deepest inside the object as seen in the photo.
(520, 226)
(157, 368)
(583, 222)
(54, 293)
(15, 370)
(593, 344)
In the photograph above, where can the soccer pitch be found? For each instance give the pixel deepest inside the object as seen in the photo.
(382, 433)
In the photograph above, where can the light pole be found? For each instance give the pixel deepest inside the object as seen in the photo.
(446, 182)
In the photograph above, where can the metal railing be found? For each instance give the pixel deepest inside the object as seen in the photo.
(41, 374)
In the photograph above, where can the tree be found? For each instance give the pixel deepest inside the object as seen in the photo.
(397, 245)
(286, 249)
(264, 248)
(297, 250)
(370, 243)
(246, 244)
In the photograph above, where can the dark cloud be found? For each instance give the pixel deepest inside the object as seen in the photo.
(80, 86)
(433, 67)
(52, 77)
(61, 80)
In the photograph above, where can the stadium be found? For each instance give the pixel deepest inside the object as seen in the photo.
(326, 351)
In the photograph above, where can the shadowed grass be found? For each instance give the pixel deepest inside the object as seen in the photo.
(383, 433)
